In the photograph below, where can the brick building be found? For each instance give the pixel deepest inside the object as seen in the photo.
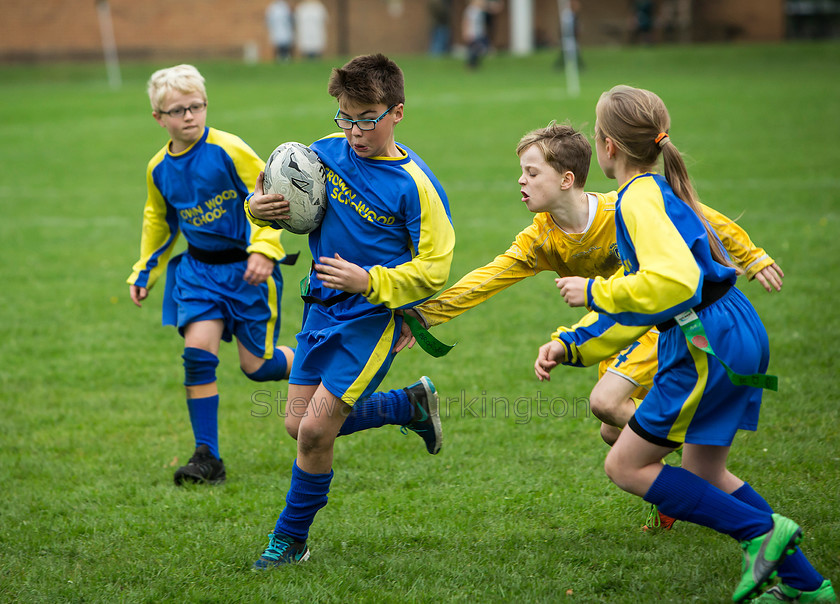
(188, 29)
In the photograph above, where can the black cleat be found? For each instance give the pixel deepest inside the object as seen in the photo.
(202, 468)
(426, 420)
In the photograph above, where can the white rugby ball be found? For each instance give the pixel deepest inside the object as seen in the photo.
(295, 171)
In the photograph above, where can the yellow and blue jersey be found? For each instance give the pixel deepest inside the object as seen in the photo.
(665, 251)
(200, 193)
(597, 336)
(389, 215)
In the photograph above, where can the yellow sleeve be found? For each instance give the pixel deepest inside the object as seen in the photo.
(523, 259)
(426, 273)
(668, 274)
(253, 219)
(159, 234)
(266, 241)
(749, 258)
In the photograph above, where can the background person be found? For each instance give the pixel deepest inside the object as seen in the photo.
(278, 20)
(311, 28)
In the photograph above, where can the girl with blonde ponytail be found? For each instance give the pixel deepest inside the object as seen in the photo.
(713, 351)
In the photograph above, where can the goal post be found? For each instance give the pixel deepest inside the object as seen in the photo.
(109, 44)
(568, 42)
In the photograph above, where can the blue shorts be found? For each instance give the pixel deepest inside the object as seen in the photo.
(692, 399)
(348, 352)
(196, 291)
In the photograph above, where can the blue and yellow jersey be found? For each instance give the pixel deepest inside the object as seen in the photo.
(389, 215)
(666, 256)
(200, 192)
(543, 246)
(597, 335)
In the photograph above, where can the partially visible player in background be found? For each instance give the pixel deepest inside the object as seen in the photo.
(385, 244)
(228, 282)
(713, 349)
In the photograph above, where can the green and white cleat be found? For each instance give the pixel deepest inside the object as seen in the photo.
(764, 554)
(783, 593)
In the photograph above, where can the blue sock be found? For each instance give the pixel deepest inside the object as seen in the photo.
(685, 496)
(204, 417)
(307, 494)
(795, 571)
(272, 370)
(377, 410)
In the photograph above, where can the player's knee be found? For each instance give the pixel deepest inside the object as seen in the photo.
(609, 433)
(600, 405)
(292, 426)
(199, 366)
(623, 475)
(613, 468)
(270, 370)
(312, 438)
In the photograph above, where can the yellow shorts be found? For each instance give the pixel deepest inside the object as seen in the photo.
(637, 363)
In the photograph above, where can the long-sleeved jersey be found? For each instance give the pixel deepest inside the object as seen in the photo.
(387, 215)
(540, 247)
(665, 251)
(200, 192)
(661, 234)
(594, 253)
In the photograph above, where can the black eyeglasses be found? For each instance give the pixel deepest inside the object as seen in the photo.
(346, 124)
(195, 109)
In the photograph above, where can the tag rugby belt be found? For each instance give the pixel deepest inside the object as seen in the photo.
(231, 255)
(695, 334)
(228, 256)
(712, 292)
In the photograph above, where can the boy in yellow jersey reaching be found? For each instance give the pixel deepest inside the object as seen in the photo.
(573, 234)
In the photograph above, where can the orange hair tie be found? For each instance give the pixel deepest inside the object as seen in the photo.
(659, 138)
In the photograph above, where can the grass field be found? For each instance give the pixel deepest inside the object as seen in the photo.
(516, 507)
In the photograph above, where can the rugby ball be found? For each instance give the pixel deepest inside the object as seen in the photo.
(294, 171)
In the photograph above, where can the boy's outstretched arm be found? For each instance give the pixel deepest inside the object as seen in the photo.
(526, 257)
(770, 277)
(751, 259)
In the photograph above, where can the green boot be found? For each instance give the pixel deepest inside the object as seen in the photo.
(764, 554)
(783, 593)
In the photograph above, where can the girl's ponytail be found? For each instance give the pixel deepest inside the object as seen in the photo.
(637, 121)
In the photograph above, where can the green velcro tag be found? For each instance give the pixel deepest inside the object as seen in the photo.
(693, 330)
(427, 341)
(304, 285)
